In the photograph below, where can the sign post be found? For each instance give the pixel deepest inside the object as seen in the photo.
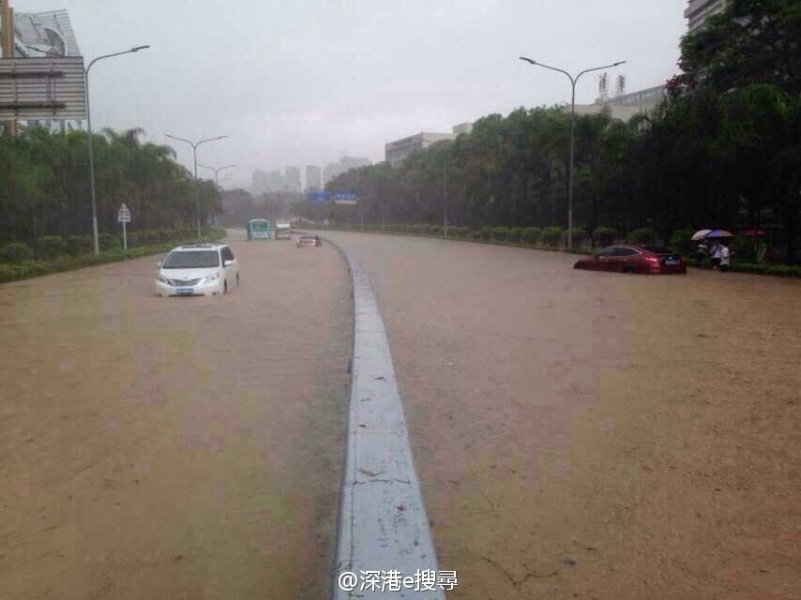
(346, 198)
(124, 217)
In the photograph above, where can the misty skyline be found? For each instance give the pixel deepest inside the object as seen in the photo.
(306, 84)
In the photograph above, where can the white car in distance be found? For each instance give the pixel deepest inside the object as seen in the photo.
(197, 270)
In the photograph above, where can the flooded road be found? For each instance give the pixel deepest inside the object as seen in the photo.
(595, 435)
(174, 448)
(576, 434)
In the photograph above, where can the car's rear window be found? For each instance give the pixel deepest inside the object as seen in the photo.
(659, 250)
(196, 259)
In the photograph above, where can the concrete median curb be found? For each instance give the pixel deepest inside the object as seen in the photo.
(383, 525)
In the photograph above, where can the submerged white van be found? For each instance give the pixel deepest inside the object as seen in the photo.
(283, 231)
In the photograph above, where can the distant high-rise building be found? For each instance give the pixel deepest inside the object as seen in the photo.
(276, 181)
(292, 179)
(698, 11)
(261, 184)
(398, 150)
(314, 179)
(346, 163)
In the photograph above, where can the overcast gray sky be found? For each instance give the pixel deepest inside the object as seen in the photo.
(306, 82)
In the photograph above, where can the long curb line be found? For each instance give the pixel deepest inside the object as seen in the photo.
(382, 519)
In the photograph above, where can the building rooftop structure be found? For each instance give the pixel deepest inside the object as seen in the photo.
(698, 11)
(397, 151)
(44, 34)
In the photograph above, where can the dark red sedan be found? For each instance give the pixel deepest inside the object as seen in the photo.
(630, 258)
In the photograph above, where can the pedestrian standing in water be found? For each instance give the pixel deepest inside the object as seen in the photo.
(702, 254)
(717, 254)
(725, 256)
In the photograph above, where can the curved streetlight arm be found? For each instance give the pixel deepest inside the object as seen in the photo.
(539, 64)
(179, 139)
(132, 50)
(219, 137)
(617, 64)
(216, 170)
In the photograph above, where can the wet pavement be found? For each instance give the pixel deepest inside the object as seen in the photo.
(174, 448)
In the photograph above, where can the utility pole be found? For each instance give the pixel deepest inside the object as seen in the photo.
(445, 194)
(8, 42)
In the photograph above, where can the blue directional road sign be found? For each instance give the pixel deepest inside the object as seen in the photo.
(318, 197)
(346, 198)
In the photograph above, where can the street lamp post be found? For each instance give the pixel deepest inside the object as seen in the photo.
(216, 182)
(194, 155)
(216, 171)
(95, 239)
(573, 81)
(445, 195)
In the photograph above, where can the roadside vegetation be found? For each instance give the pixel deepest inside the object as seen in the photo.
(553, 238)
(723, 150)
(53, 254)
(45, 206)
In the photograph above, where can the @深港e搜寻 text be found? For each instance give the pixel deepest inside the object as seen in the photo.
(423, 580)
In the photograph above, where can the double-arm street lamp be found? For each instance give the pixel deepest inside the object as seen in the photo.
(216, 171)
(89, 138)
(194, 154)
(573, 81)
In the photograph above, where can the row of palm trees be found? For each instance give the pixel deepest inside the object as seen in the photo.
(44, 184)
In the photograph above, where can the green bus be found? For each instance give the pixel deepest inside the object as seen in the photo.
(258, 229)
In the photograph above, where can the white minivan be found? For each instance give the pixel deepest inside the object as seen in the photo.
(283, 231)
(197, 270)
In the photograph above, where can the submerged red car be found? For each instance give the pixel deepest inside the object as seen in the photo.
(630, 258)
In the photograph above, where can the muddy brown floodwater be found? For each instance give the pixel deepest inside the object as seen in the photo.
(597, 436)
(174, 448)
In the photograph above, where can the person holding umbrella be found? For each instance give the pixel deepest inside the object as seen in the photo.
(720, 252)
(702, 254)
(702, 251)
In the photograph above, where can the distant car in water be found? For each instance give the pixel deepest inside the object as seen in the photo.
(309, 239)
(631, 258)
(283, 231)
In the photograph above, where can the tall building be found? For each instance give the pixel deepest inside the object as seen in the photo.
(698, 11)
(261, 182)
(314, 178)
(397, 151)
(346, 163)
(292, 178)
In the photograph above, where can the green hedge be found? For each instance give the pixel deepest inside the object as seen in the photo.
(532, 235)
(108, 241)
(579, 235)
(500, 234)
(643, 235)
(552, 236)
(15, 253)
(28, 267)
(605, 236)
(79, 244)
(50, 246)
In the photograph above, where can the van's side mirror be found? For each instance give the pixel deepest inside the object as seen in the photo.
(227, 263)
(159, 265)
